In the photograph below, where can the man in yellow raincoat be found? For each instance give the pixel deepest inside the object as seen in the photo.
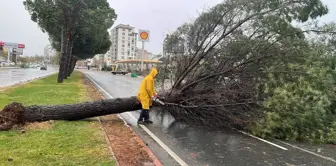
(146, 95)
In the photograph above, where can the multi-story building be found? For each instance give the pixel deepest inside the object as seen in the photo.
(138, 54)
(123, 38)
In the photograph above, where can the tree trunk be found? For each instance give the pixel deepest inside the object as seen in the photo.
(73, 65)
(63, 57)
(68, 56)
(69, 66)
(17, 114)
(69, 42)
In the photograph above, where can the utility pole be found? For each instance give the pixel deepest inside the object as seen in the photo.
(142, 55)
(8, 53)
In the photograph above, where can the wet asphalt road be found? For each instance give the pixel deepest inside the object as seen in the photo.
(198, 147)
(13, 76)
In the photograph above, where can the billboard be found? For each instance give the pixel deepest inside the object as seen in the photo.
(12, 45)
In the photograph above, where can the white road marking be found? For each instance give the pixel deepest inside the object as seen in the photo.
(156, 139)
(310, 152)
(260, 139)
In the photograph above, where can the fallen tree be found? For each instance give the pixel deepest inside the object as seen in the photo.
(218, 64)
(17, 114)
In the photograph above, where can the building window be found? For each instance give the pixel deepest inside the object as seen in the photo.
(123, 45)
(122, 57)
(129, 44)
(128, 53)
(122, 53)
(123, 33)
(123, 41)
(123, 37)
(123, 29)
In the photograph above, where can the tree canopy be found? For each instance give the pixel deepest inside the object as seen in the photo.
(84, 24)
(238, 63)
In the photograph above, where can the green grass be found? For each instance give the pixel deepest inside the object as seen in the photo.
(62, 143)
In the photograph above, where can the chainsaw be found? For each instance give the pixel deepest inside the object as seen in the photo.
(158, 100)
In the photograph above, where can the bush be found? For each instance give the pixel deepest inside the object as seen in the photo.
(106, 68)
(332, 134)
(302, 107)
(24, 65)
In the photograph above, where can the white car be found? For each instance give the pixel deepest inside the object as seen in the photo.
(7, 63)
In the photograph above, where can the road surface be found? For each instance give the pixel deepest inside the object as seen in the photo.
(179, 144)
(10, 77)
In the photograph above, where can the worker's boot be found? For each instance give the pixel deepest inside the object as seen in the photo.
(141, 122)
(148, 122)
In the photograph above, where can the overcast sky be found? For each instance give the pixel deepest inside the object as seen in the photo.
(158, 16)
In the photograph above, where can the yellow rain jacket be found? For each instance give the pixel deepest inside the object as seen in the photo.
(146, 91)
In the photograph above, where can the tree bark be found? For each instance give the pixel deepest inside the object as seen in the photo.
(73, 65)
(69, 38)
(69, 66)
(63, 56)
(17, 114)
(68, 57)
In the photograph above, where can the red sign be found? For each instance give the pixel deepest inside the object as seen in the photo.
(21, 46)
(2, 43)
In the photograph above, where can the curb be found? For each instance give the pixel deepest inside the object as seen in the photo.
(4, 68)
(108, 141)
(151, 155)
(103, 129)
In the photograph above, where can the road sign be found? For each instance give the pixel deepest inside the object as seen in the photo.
(18, 50)
(18, 53)
(13, 45)
(144, 35)
(21, 46)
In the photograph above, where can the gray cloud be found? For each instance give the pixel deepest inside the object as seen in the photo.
(158, 16)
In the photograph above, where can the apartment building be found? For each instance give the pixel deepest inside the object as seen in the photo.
(138, 54)
(123, 38)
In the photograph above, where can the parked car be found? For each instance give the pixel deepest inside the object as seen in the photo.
(43, 67)
(123, 72)
(32, 66)
(4, 63)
